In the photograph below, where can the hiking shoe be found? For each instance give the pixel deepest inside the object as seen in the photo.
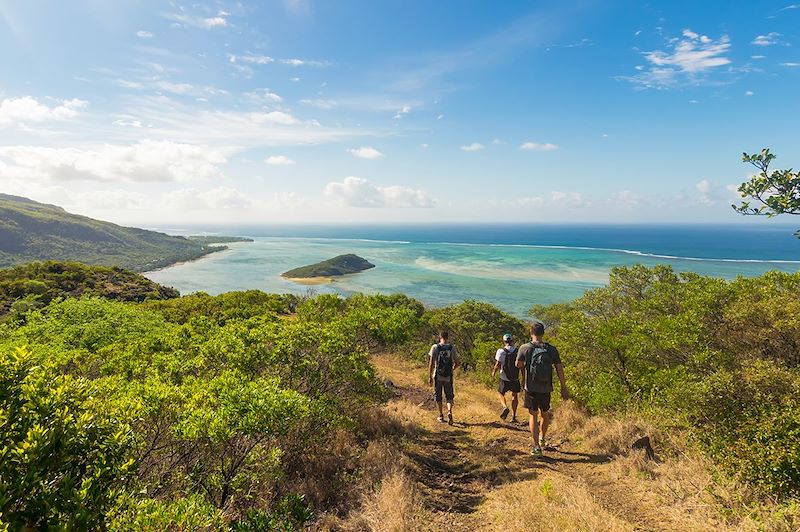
(541, 443)
(449, 418)
(536, 451)
(440, 419)
(515, 420)
(504, 413)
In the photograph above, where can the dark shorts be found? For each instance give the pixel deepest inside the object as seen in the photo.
(508, 386)
(447, 386)
(537, 401)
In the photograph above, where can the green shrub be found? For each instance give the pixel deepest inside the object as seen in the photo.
(61, 463)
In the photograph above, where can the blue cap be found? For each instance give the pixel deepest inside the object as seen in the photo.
(507, 337)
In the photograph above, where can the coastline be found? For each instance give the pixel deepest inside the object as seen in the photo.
(205, 253)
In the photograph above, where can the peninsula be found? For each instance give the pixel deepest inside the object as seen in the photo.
(325, 271)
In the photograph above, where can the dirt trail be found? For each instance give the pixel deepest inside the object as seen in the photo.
(478, 474)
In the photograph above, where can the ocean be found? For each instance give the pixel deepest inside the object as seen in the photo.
(510, 266)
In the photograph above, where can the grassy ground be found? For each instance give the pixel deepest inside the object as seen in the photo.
(478, 475)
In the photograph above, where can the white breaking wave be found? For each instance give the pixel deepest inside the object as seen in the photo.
(490, 270)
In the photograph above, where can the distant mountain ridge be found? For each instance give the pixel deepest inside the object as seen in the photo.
(33, 231)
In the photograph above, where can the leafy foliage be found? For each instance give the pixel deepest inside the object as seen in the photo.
(724, 356)
(62, 462)
(774, 192)
(339, 265)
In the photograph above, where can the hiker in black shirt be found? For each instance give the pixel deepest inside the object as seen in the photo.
(506, 362)
(443, 361)
(537, 360)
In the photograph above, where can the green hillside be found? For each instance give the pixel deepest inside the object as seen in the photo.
(32, 231)
(339, 265)
(36, 284)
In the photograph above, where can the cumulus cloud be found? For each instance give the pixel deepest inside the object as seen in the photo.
(687, 60)
(142, 34)
(359, 192)
(536, 146)
(147, 160)
(475, 146)
(27, 109)
(279, 160)
(769, 39)
(366, 152)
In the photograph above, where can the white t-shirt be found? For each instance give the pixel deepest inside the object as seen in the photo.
(501, 357)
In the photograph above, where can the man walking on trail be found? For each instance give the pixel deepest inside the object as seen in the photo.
(537, 360)
(506, 362)
(443, 361)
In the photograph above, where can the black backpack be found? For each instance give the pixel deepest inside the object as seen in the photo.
(444, 361)
(510, 364)
(541, 364)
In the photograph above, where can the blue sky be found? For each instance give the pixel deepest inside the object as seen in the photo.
(147, 112)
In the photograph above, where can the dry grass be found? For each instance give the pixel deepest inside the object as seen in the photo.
(394, 507)
(556, 503)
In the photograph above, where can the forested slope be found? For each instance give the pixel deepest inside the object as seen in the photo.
(36, 231)
(253, 411)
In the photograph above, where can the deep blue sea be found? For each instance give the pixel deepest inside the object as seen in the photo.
(511, 266)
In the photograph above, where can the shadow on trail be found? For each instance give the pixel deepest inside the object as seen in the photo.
(456, 472)
(573, 457)
(494, 425)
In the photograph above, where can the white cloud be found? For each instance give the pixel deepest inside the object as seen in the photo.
(359, 192)
(304, 62)
(531, 201)
(27, 109)
(215, 199)
(790, 65)
(769, 39)
(320, 103)
(287, 201)
(626, 198)
(251, 59)
(758, 57)
(206, 23)
(142, 34)
(439, 117)
(366, 152)
(147, 160)
(402, 111)
(264, 96)
(424, 145)
(274, 117)
(536, 146)
(748, 93)
(497, 141)
(703, 187)
(279, 160)
(475, 146)
(572, 200)
(686, 60)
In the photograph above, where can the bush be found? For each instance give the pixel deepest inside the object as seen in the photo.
(62, 463)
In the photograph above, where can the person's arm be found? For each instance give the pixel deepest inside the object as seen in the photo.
(430, 366)
(562, 380)
(456, 359)
(496, 364)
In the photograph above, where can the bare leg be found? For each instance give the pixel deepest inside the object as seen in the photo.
(546, 417)
(533, 423)
(449, 407)
(514, 404)
(502, 399)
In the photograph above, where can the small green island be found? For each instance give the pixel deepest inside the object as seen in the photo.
(325, 271)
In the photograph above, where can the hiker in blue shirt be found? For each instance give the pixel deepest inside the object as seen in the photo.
(506, 362)
(443, 361)
(537, 359)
